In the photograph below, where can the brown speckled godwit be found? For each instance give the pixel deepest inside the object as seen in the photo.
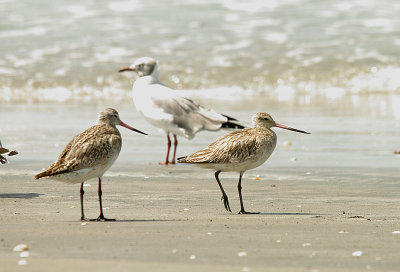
(89, 155)
(239, 151)
(165, 108)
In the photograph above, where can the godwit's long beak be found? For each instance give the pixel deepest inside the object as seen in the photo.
(131, 128)
(126, 69)
(289, 128)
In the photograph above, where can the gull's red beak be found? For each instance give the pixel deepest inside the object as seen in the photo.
(126, 69)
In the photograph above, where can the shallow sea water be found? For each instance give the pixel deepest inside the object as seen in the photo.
(338, 143)
(327, 67)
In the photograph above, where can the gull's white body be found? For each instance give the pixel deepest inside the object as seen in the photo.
(165, 108)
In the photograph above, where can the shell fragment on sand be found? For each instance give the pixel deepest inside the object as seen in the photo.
(21, 247)
(357, 253)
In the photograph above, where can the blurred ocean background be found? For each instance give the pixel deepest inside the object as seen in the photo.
(299, 52)
(331, 67)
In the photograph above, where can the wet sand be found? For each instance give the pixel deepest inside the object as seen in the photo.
(172, 219)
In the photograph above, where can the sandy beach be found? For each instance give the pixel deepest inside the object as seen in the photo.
(172, 219)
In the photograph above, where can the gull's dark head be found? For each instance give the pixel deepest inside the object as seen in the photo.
(144, 66)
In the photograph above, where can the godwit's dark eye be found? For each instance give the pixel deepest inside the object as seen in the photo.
(266, 119)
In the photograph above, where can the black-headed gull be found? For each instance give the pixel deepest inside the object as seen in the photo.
(165, 108)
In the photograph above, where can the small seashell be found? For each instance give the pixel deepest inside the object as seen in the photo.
(343, 232)
(242, 254)
(174, 250)
(396, 232)
(192, 257)
(357, 253)
(24, 254)
(185, 209)
(306, 245)
(257, 177)
(293, 159)
(86, 185)
(84, 224)
(209, 233)
(287, 144)
(22, 262)
(72, 207)
(314, 253)
(21, 247)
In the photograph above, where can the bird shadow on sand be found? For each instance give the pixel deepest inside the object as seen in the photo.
(133, 220)
(145, 220)
(289, 214)
(20, 195)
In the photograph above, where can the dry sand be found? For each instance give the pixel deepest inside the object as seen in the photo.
(172, 219)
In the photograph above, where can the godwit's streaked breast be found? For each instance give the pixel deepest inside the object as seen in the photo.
(164, 108)
(89, 154)
(239, 151)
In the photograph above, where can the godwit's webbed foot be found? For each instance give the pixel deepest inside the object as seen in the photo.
(102, 218)
(226, 202)
(244, 212)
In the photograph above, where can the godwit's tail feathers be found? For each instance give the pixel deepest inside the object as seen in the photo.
(193, 159)
(50, 172)
(181, 159)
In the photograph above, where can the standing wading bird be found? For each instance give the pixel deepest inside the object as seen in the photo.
(239, 151)
(89, 155)
(165, 108)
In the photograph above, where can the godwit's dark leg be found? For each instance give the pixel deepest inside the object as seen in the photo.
(168, 148)
(101, 216)
(224, 196)
(175, 145)
(242, 211)
(82, 192)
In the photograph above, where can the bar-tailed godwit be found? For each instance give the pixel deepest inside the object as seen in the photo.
(89, 155)
(165, 108)
(239, 151)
